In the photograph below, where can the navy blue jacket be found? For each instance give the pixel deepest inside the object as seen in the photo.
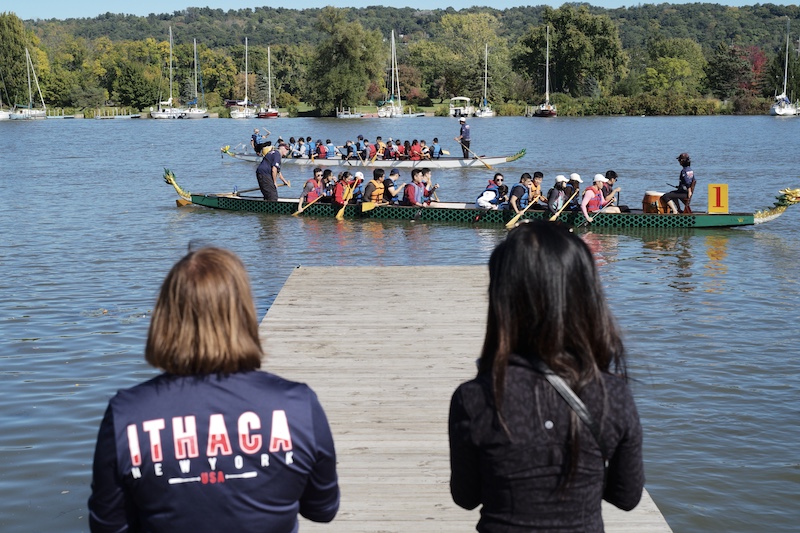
(244, 452)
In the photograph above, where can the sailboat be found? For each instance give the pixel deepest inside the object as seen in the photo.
(546, 109)
(169, 111)
(485, 109)
(28, 112)
(782, 106)
(390, 108)
(244, 111)
(195, 111)
(269, 111)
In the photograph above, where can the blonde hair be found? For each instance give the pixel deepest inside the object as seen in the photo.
(204, 321)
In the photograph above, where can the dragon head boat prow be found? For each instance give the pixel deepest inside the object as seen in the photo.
(787, 197)
(169, 178)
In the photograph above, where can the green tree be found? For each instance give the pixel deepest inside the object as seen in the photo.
(348, 58)
(677, 66)
(728, 71)
(462, 39)
(586, 53)
(14, 38)
(136, 85)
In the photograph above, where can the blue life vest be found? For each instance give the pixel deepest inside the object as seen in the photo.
(523, 199)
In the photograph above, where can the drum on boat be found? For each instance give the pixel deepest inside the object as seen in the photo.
(651, 203)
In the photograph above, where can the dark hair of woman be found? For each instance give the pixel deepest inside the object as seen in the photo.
(546, 301)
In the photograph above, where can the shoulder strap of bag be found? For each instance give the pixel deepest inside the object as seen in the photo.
(572, 400)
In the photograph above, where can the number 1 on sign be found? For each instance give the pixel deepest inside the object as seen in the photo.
(718, 198)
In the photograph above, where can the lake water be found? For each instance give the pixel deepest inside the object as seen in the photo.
(89, 229)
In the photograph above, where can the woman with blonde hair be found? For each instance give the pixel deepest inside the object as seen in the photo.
(548, 428)
(212, 443)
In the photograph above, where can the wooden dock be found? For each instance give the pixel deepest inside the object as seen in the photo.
(384, 356)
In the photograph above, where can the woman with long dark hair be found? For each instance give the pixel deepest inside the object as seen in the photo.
(516, 445)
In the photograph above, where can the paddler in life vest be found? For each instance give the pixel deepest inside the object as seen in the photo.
(342, 191)
(574, 185)
(557, 195)
(520, 193)
(392, 187)
(313, 189)
(374, 190)
(427, 181)
(536, 197)
(593, 200)
(490, 198)
(415, 193)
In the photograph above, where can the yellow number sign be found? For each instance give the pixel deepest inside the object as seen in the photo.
(718, 198)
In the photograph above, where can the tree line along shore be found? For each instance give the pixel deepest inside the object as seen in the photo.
(665, 59)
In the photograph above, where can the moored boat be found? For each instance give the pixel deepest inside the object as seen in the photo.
(165, 109)
(460, 106)
(783, 107)
(441, 162)
(466, 213)
(546, 109)
(268, 111)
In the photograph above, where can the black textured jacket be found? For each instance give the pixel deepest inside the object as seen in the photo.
(519, 478)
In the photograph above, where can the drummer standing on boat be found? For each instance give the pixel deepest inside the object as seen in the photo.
(464, 137)
(269, 171)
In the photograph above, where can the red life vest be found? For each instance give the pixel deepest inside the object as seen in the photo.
(315, 192)
(596, 203)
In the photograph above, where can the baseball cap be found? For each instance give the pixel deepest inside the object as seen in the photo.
(561, 179)
(462, 119)
(575, 177)
(600, 178)
(359, 175)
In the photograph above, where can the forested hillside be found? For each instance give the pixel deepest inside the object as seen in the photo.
(654, 59)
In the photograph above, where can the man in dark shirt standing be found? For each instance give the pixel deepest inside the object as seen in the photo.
(463, 137)
(269, 170)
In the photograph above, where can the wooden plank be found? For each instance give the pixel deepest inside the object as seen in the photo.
(384, 349)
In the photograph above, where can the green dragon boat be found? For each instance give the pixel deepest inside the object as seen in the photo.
(467, 214)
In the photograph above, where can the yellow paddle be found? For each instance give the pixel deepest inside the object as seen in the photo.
(554, 217)
(369, 206)
(348, 192)
(515, 219)
(487, 165)
(303, 208)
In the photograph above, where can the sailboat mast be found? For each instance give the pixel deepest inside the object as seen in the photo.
(245, 72)
(547, 69)
(195, 69)
(269, 76)
(786, 62)
(30, 88)
(485, 72)
(170, 67)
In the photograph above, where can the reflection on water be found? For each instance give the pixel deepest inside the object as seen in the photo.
(709, 316)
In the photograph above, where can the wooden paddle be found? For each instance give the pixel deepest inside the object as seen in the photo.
(487, 165)
(554, 217)
(303, 208)
(510, 223)
(369, 206)
(348, 193)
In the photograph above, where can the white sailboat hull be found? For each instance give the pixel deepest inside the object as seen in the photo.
(169, 113)
(783, 110)
(28, 114)
(243, 112)
(195, 112)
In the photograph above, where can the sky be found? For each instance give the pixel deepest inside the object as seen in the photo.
(63, 9)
